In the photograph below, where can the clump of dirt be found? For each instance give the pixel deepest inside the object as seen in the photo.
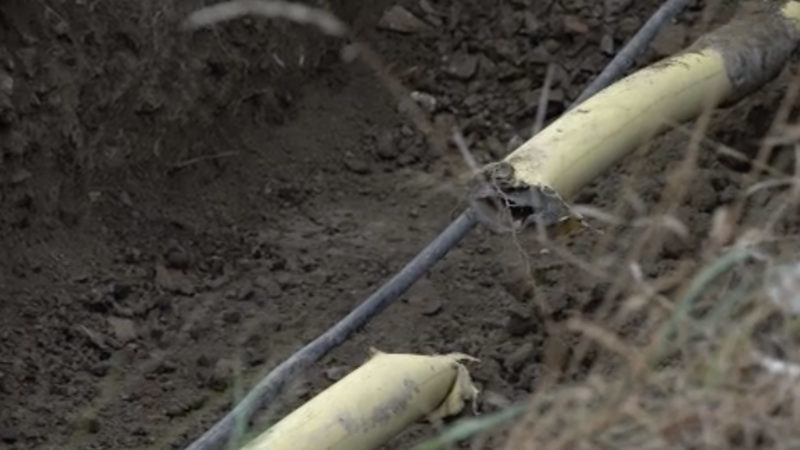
(180, 211)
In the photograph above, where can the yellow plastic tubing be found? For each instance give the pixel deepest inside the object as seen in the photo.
(373, 403)
(720, 67)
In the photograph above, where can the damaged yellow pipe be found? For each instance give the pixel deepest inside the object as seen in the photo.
(373, 403)
(719, 68)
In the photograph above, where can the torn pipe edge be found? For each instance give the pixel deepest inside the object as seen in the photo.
(754, 48)
(505, 204)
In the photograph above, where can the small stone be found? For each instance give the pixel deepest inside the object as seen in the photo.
(426, 6)
(607, 44)
(301, 390)
(254, 357)
(782, 284)
(29, 39)
(472, 100)
(487, 69)
(507, 48)
(722, 227)
(670, 39)
(177, 258)
(132, 256)
(704, 197)
(7, 113)
(165, 366)
(7, 61)
(125, 198)
(61, 28)
(120, 291)
(232, 317)
(335, 373)
(674, 247)
(574, 25)
(221, 376)
(533, 26)
(495, 147)
(514, 142)
(215, 266)
(27, 57)
(552, 46)
(617, 6)
(399, 19)
(6, 83)
(10, 436)
(556, 96)
(425, 100)
(555, 353)
(97, 339)
(89, 423)
(432, 308)
(386, 146)
(516, 360)
(355, 165)
(539, 55)
(520, 324)
(494, 400)
(285, 280)
(462, 66)
(100, 369)
(20, 175)
(271, 287)
(245, 291)
(510, 22)
(148, 102)
(628, 26)
(203, 361)
(180, 408)
(349, 53)
(246, 264)
(174, 281)
(124, 329)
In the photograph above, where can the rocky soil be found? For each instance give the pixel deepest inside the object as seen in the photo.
(180, 211)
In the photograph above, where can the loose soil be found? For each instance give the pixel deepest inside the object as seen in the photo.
(180, 211)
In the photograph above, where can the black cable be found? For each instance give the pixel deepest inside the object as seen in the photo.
(633, 49)
(269, 387)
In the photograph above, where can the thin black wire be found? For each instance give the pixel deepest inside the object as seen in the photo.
(270, 386)
(633, 49)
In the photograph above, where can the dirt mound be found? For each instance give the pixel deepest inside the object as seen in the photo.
(180, 211)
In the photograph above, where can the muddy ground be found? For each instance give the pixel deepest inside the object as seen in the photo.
(180, 211)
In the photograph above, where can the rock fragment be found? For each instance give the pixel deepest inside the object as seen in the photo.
(401, 20)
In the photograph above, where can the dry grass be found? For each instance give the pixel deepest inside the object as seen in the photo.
(699, 356)
(704, 355)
